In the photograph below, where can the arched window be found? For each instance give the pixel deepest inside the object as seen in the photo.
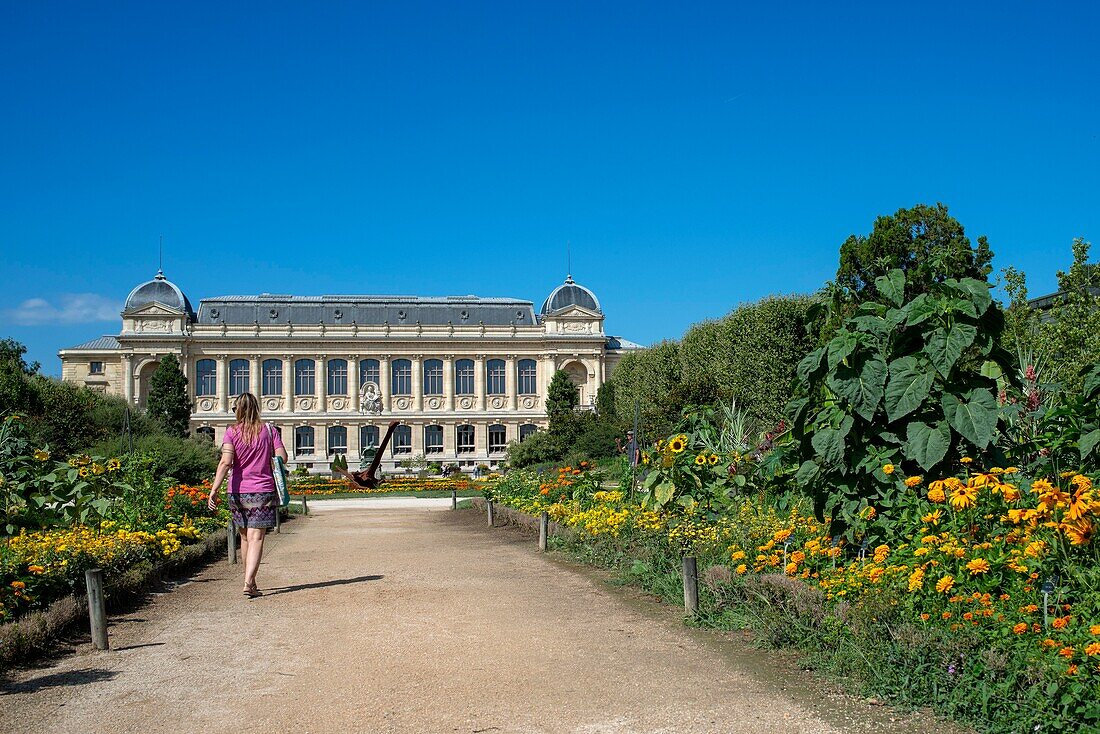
(498, 439)
(433, 377)
(304, 372)
(337, 377)
(464, 377)
(526, 430)
(433, 439)
(238, 376)
(303, 441)
(273, 377)
(401, 380)
(495, 377)
(369, 371)
(368, 438)
(337, 440)
(206, 377)
(402, 441)
(206, 432)
(464, 439)
(527, 377)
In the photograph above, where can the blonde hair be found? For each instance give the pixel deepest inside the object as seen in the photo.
(248, 417)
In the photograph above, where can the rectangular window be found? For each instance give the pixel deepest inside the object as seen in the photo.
(433, 439)
(527, 377)
(433, 377)
(206, 377)
(238, 376)
(402, 377)
(402, 440)
(369, 371)
(303, 441)
(337, 377)
(498, 439)
(464, 377)
(304, 373)
(337, 440)
(526, 430)
(95, 368)
(464, 439)
(495, 376)
(272, 377)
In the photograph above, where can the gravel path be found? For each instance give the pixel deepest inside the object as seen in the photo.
(420, 620)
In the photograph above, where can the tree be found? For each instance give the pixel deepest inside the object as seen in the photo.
(926, 243)
(16, 392)
(12, 352)
(561, 398)
(605, 403)
(168, 401)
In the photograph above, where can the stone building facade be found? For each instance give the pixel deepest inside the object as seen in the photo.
(464, 375)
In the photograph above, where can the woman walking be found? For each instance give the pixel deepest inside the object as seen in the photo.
(247, 449)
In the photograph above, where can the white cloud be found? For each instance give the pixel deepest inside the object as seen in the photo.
(71, 308)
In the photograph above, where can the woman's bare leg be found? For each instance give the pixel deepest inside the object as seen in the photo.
(255, 553)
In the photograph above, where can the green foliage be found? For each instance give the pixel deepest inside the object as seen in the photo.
(925, 243)
(902, 383)
(605, 403)
(65, 418)
(538, 448)
(186, 460)
(595, 440)
(651, 379)
(168, 402)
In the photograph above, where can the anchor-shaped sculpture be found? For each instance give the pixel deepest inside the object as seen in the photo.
(367, 479)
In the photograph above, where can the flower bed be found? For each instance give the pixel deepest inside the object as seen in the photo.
(956, 593)
(323, 486)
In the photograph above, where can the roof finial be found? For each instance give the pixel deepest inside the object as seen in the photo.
(160, 264)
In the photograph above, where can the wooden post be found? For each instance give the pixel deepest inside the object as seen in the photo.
(97, 610)
(278, 519)
(691, 586)
(231, 541)
(454, 499)
(544, 529)
(305, 505)
(489, 511)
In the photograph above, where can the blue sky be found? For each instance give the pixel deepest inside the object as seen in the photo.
(694, 157)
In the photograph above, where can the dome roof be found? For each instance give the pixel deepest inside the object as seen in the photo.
(568, 294)
(158, 290)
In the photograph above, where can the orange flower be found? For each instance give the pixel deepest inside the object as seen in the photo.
(1060, 623)
(1067, 652)
(1020, 628)
(1092, 649)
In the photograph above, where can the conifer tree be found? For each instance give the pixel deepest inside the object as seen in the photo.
(168, 402)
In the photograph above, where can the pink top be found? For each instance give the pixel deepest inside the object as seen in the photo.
(252, 462)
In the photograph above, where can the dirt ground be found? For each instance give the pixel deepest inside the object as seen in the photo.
(420, 620)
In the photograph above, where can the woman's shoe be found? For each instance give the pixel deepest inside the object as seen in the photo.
(252, 592)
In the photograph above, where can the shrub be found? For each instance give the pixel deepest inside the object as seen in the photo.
(538, 448)
(187, 460)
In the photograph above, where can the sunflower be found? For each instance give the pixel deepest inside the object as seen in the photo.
(712, 459)
(42, 455)
(645, 458)
(114, 465)
(701, 460)
(677, 445)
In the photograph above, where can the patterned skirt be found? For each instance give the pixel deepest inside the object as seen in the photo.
(254, 510)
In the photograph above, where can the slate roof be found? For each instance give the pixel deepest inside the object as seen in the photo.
(570, 293)
(158, 290)
(268, 308)
(101, 343)
(617, 342)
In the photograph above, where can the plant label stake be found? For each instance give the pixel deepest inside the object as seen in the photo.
(305, 505)
(786, 544)
(97, 611)
(544, 529)
(231, 541)
(1047, 588)
(863, 549)
(454, 499)
(691, 586)
(489, 512)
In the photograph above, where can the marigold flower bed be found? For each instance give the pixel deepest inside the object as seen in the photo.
(323, 486)
(958, 592)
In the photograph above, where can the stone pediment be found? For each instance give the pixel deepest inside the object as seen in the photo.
(576, 313)
(154, 309)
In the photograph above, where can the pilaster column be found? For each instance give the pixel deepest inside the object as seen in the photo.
(320, 443)
(448, 385)
(479, 381)
(384, 383)
(128, 378)
(288, 384)
(448, 441)
(322, 384)
(353, 444)
(223, 383)
(417, 387)
(254, 375)
(353, 385)
(481, 442)
(547, 375)
(511, 381)
(417, 431)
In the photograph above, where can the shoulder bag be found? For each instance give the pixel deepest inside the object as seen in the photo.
(278, 470)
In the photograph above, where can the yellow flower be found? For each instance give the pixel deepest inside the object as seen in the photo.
(966, 460)
(35, 569)
(114, 465)
(42, 455)
(945, 584)
(98, 468)
(712, 459)
(701, 459)
(83, 471)
(932, 517)
(1092, 649)
(677, 445)
(913, 481)
(888, 469)
(645, 458)
(978, 566)
(963, 497)
(935, 492)
(742, 568)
